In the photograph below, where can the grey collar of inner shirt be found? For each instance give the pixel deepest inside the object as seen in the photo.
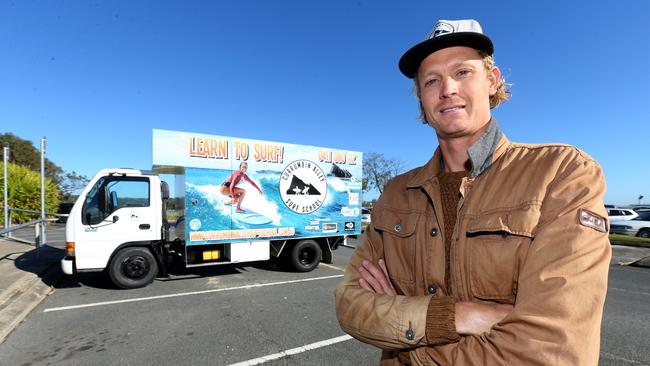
(480, 153)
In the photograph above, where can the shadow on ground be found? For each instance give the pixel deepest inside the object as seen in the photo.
(176, 271)
(40, 261)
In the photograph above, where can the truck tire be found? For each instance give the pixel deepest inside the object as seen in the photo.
(305, 255)
(133, 267)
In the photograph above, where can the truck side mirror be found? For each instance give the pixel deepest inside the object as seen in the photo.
(115, 218)
(164, 188)
(103, 200)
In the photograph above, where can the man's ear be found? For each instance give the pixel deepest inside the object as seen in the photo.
(494, 77)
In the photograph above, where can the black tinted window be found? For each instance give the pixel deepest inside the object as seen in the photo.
(643, 215)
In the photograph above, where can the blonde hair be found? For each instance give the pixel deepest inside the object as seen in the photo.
(502, 94)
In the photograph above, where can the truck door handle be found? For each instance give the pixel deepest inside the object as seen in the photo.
(144, 226)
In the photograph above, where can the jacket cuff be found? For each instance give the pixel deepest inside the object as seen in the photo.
(441, 326)
(404, 358)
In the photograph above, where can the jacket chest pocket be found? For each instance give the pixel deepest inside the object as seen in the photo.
(497, 244)
(398, 234)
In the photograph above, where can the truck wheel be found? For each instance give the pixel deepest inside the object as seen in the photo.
(305, 255)
(133, 267)
(644, 233)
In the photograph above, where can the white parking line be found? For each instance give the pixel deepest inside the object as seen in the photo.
(188, 293)
(332, 267)
(619, 358)
(293, 351)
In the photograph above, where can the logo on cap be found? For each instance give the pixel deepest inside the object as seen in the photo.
(441, 29)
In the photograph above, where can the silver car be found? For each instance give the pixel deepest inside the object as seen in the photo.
(618, 214)
(639, 226)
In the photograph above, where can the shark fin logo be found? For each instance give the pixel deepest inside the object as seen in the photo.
(441, 29)
(303, 186)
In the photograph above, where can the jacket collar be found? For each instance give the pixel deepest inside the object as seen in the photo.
(487, 149)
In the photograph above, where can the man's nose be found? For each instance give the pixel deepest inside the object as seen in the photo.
(449, 87)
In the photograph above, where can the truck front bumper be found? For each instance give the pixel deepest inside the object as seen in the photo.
(67, 265)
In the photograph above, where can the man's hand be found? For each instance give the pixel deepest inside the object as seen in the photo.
(375, 279)
(477, 318)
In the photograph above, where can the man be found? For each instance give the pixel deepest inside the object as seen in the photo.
(493, 252)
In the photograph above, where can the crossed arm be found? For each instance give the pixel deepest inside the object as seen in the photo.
(470, 317)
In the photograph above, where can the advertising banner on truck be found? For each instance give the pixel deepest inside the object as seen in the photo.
(243, 190)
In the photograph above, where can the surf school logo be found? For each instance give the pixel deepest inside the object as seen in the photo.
(303, 186)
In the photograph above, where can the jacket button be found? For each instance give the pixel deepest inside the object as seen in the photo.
(432, 289)
(504, 235)
(410, 335)
(434, 232)
(398, 228)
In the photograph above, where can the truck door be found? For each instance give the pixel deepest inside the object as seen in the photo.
(117, 210)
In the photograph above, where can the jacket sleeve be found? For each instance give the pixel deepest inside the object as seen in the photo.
(561, 286)
(386, 321)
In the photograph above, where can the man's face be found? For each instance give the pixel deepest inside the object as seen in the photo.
(455, 90)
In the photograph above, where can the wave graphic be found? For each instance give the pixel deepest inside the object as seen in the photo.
(253, 201)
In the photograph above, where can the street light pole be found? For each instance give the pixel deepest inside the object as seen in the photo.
(42, 233)
(5, 154)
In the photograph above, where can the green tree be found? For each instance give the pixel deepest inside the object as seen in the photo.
(23, 152)
(379, 170)
(24, 191)
(71, 184)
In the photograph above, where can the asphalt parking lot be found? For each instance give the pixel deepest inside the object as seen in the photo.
(251, 314)
(225, 315)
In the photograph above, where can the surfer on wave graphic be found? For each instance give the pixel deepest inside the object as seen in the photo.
(230, 189)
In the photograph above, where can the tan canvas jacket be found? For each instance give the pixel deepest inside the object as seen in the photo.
(519, 239)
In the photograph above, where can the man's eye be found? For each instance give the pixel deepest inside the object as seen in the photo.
(430, 82)
(463, 72)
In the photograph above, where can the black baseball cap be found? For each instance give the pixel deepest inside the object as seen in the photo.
(446, 33)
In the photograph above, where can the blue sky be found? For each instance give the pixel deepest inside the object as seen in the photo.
(96, 77)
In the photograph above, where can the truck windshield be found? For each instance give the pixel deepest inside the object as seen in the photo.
(110, 194)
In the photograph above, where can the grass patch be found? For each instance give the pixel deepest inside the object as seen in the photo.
(627, 239)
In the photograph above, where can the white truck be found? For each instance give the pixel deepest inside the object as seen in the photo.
(213, 200)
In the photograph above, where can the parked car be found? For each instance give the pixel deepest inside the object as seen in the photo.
(638, 208)
(639, 226)
(365, 216)
(618, 214)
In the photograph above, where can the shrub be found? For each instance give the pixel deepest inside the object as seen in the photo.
(24, 192)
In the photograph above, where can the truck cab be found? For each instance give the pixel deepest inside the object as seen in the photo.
(119, 213)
